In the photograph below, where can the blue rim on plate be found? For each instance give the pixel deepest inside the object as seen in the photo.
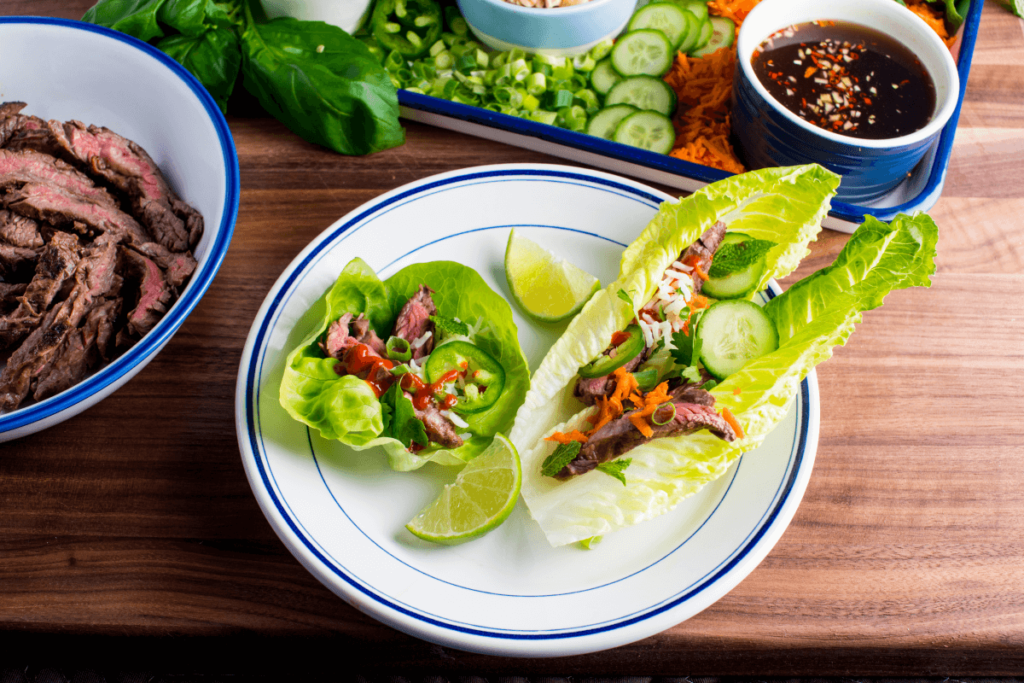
(439, 628)
(852, 213)
(201, 280)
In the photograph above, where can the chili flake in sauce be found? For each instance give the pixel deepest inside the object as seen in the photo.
(847, 79)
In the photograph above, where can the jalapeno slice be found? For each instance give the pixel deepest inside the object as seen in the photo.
(409, 27)
(484, 377)
(622, 354)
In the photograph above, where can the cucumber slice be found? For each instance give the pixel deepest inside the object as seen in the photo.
(693, 29)
(643, 92)
(604, 76)
(706, 29)
(605, 122)
(722, 34)
(644, 52)
(647, 130)
(739, 284)
(732, 333)
(667, 17)
(698, 8)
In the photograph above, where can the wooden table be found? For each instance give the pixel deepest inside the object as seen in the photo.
(131, 532)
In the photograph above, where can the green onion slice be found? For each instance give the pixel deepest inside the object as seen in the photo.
(398, 349)
(657, 418)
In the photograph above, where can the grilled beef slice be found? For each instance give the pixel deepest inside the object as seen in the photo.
(621, 435)
(13, 259)
(19, 131)
(51, 204)
(95, 279)
(56, 265)
(414, 321)
(704, 249)
(19, 231)
(81, 352)
(344, 333)
(439, 428)
(589, 390)
(155, 294)
(125, 165)
(177, 267)
(28, 166)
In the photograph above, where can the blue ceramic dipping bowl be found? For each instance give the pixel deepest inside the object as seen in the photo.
(556, 31)
(771, 135)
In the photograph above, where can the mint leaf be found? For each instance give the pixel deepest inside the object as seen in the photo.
(735, 256)
(449, 327)
(400, 421)
(616, 468)
(561, 457)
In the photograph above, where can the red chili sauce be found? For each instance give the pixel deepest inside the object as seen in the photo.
(847, 79)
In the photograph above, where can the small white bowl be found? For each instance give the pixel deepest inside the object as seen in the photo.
(564, 31)
(73, 70)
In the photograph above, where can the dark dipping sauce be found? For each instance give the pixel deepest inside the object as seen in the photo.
(847, 79)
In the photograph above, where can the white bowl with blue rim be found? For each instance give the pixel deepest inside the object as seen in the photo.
(565, 31)
(771, 135)
(72, 70)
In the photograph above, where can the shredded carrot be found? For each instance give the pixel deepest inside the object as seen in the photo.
(574, 435)
(737, 391)
(639, 420)
(646, 406)
(704, 88)
(733, 422)
(610, 408)
(934, 17)
(698, 302)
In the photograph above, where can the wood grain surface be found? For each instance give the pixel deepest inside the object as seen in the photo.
(131, 531)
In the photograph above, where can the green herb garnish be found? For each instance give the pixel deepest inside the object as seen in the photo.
(449, 327)
(625, 297)
(400, 421)
(736, 256)
(616, 468)
(561, 457)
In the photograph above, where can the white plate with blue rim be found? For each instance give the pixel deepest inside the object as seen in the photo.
(342, 513)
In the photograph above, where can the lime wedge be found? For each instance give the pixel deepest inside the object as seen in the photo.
(480, 499)
(548, 288)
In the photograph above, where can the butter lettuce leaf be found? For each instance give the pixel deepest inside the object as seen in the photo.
(345, 408)
(815, 315)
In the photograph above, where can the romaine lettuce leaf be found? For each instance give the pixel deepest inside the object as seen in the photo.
(815, 314)
(345, 408)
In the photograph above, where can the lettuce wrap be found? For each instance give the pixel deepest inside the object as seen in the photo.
(782, 205)
(346, 408)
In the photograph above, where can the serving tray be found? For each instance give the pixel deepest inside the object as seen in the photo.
(918, 192)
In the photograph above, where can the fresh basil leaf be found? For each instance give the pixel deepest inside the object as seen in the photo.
(616, 468)
(735, 256)
(212, 57)
(135, 17)
(322, 83)
(401, 418)
(562, 456)
(194, 17)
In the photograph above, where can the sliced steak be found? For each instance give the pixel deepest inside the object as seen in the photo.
(13, 259)
(28, 166)
(9, 293)
(56, 266)
(692, 393)
(81, 353)
(20, 132)
(177, 267)
(127, 166)
(414, 321)
(95, 278)
(47, 203)
(621, 435)
(703, 250)
(344, 333)
(19, 231)
(589, 390)
(439, 428)
(155, 295)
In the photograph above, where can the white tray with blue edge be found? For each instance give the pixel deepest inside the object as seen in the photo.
(342, 513)
(919, 192)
